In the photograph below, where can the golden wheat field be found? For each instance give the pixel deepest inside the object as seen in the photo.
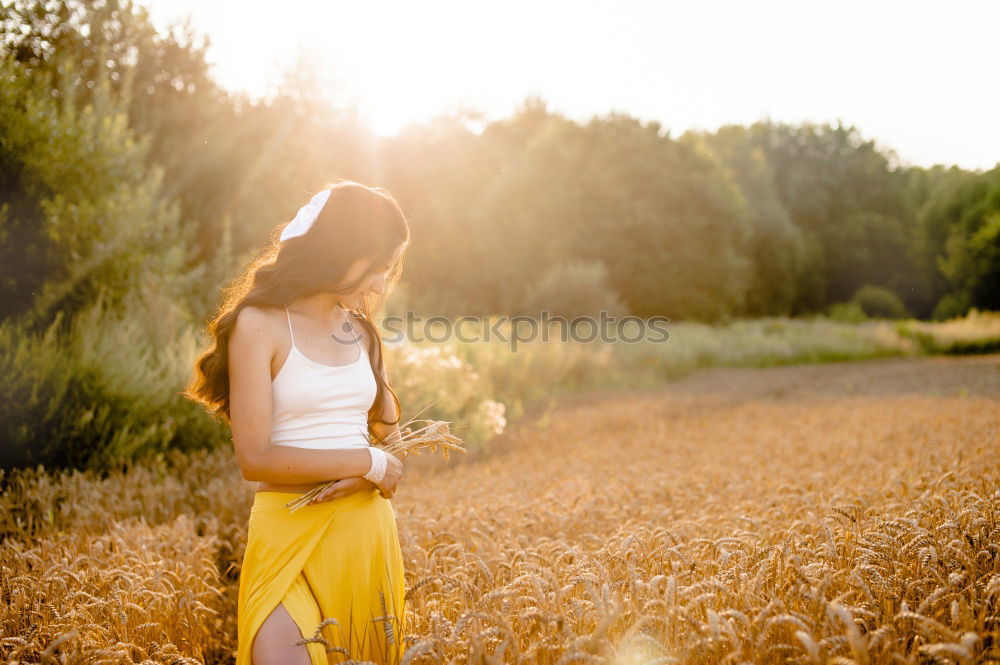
(842, 513)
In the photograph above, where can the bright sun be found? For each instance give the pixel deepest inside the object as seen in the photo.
(396, 72)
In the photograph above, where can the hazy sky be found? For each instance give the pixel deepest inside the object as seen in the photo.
(919, 77)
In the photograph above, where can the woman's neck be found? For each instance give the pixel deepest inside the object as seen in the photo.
(325, 308)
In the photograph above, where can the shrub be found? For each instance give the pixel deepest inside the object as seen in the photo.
(950, 306)
(879, 302)
(847, 312)
(100, 388)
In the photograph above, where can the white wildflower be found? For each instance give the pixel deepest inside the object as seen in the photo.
(494, 415)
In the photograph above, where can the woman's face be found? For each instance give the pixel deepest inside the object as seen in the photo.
(372, 282)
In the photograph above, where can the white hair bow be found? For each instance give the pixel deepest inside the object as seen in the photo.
(306, 216)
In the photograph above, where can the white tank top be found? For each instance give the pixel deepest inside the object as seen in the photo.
(321, 406)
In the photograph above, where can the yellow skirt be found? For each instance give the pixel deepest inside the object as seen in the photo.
(337, 562)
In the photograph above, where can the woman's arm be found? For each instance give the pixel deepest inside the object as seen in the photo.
(381, 430)
(251, 347)
(389, 432)
(292, 466)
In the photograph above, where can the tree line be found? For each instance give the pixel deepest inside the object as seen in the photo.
(123, 162)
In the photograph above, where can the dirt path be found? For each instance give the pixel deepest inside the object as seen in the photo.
(882, 411)
(712, 390)
(940, 376)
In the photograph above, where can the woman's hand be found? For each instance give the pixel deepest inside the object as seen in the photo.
(393, 474)
(343, 487)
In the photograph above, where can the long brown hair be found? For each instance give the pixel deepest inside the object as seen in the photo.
(357, 221)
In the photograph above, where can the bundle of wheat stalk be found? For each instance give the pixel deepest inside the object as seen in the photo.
(433, 434)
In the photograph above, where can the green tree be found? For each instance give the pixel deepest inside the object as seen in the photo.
(777, 247)
(666, 221)
(91, 353)
(971, 259)
(234, 166)
(84, 201)
(846, 197)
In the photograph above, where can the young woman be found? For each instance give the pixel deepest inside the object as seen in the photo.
(297, 371)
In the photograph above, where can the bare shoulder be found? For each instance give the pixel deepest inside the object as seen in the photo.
(253, 320)
(254, 328)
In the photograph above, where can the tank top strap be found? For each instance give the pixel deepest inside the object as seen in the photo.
(290, 334)
(357, 338)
